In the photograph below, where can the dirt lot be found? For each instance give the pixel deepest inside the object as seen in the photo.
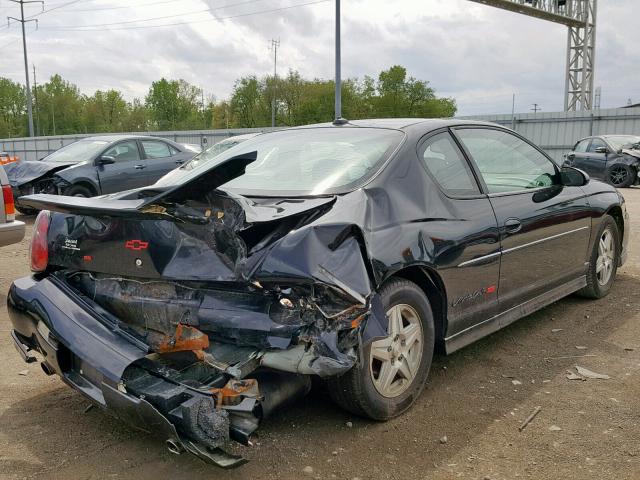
(477, 398)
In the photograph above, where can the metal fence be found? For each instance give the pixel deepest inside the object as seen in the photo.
(555, 132)
(39, 147)
(558, 132)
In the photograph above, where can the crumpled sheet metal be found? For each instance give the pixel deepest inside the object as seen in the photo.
(24, 172)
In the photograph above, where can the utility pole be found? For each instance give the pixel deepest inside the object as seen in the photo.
(275, 44)
(513, 113)
(536, 108)
(338, 113)
(35, 94)
(24, 50)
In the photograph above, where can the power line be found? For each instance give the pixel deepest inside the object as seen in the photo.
(22, 21)
(164, 17)
(83, 28)
(120, 7)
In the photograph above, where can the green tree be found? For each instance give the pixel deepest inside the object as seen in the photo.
(13, 103)
(59, 108)
(105, 112)
(174, 105)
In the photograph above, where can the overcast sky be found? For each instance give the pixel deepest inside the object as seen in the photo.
(477, 54)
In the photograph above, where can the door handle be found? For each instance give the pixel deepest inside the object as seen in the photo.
(179, 162)
(513, 225)
(140, 167)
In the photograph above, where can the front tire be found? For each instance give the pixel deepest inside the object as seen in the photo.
(78, 191)
(603, 264)
(394, 370)
(621, 176)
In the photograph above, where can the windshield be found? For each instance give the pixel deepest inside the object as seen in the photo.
(78, 151)
(307, 161)
(621, 141)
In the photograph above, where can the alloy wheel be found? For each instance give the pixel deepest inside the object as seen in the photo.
(395, 360)
(618, 175)
(606, 257)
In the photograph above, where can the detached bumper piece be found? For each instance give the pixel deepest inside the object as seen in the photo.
(191, 404)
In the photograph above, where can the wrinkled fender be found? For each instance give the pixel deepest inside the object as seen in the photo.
(87, 174)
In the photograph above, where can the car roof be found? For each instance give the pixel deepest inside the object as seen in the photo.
(406, 123)
(115, 138)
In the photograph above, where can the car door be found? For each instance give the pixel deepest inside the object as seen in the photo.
(469, 257)
(126, 171)
(161, 158)
(594, 160)
(544, 226)
(577, 157)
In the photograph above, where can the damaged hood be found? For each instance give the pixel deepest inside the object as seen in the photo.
(632, 152)
(25, 172)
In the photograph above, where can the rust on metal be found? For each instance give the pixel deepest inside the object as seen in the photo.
(186, 338)
(234, 390)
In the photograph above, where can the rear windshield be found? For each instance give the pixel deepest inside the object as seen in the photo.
(307, 161)
(78, 151)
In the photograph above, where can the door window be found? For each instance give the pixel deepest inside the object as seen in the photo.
(447, 166)
(153, 149)
(506, 162)
(124, 151)
(595, 144)
(582, 146)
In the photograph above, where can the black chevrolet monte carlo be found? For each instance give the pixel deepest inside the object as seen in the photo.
(350, 252)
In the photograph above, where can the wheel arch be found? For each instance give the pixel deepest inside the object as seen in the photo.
(433, 287)
(85, 184)
(616, 213)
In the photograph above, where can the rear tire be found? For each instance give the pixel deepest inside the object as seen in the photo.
(78, 191)
(621, 176)
(26, 211)
(383, 389)
(603, 264)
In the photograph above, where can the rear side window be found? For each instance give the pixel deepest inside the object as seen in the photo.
(507, 163)
(582, 146)
(124, 151)
(444, 161)
(154, 149)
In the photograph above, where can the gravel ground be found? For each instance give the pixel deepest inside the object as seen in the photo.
(476, 398)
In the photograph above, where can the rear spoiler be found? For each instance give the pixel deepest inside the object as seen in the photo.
(206, 182)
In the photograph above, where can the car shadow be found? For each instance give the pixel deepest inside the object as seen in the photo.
(53, 436)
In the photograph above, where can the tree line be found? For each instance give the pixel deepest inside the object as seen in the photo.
(60, 108)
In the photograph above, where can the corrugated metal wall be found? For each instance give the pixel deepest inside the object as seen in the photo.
(555, 132)
(558, 132)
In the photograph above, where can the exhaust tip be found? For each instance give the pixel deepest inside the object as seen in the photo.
(174, 447)
(47, 369)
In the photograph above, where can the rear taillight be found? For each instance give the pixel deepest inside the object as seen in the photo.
(9, 205)
(39, 247)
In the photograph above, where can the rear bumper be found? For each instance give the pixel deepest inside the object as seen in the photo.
(11, 232)
(91, 357)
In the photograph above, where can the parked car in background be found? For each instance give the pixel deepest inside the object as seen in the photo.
(207, 155)
(5, 158)
(197, 307)
(612, 158)
(11, 230)
(98, 165)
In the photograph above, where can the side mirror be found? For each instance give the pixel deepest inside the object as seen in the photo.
(573, 177)
(602, 150)
(106, 160)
